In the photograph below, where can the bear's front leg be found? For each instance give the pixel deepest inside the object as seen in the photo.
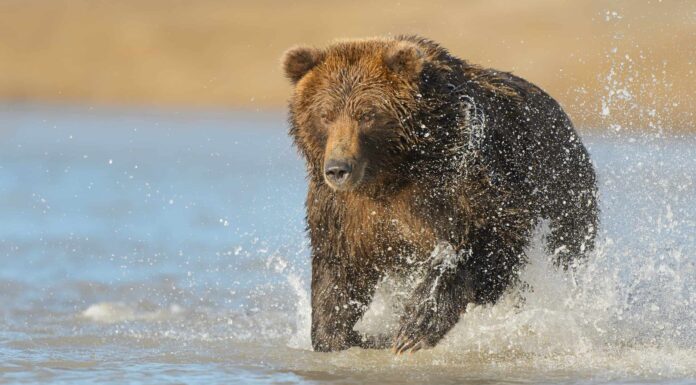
(437, 301)
(340, 296)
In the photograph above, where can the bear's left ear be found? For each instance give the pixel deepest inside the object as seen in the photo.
(404, 58)
(298, 61)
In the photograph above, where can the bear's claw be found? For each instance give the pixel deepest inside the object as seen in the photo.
(402, 345)
(419, 330)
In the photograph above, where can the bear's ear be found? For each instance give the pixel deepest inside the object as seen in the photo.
(297, 61)
(404, 58)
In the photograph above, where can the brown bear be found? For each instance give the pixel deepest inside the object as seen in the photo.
(421, 163)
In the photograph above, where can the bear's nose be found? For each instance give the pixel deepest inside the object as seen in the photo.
(337, 171)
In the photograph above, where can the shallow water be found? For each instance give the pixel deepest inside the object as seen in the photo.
(151, 246)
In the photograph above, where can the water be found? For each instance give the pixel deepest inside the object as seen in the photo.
(152, 246)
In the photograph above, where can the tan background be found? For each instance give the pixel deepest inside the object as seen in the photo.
(619, 64)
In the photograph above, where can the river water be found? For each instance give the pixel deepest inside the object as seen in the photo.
(158, 246)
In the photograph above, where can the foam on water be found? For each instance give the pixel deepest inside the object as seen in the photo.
(590, 320)
(112, 312)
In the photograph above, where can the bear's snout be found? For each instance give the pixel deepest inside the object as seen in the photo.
(337, 172)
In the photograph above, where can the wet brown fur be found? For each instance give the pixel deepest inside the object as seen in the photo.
(448, 152)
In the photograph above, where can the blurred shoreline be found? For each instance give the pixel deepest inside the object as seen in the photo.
(618, 65)
(274, 118)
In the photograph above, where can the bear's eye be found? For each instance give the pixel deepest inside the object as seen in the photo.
(367, 117)
(325, 118)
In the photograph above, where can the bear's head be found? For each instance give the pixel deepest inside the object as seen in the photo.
(352, 113)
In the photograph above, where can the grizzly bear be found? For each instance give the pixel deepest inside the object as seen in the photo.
(421, 163)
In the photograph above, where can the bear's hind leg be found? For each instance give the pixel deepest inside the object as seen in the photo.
(573, 228)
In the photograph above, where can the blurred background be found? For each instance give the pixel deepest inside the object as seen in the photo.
(612, 64)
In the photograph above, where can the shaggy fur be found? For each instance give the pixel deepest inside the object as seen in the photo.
(453, 165)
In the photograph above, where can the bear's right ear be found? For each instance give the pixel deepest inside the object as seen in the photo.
(298, 61)
(404, 58)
